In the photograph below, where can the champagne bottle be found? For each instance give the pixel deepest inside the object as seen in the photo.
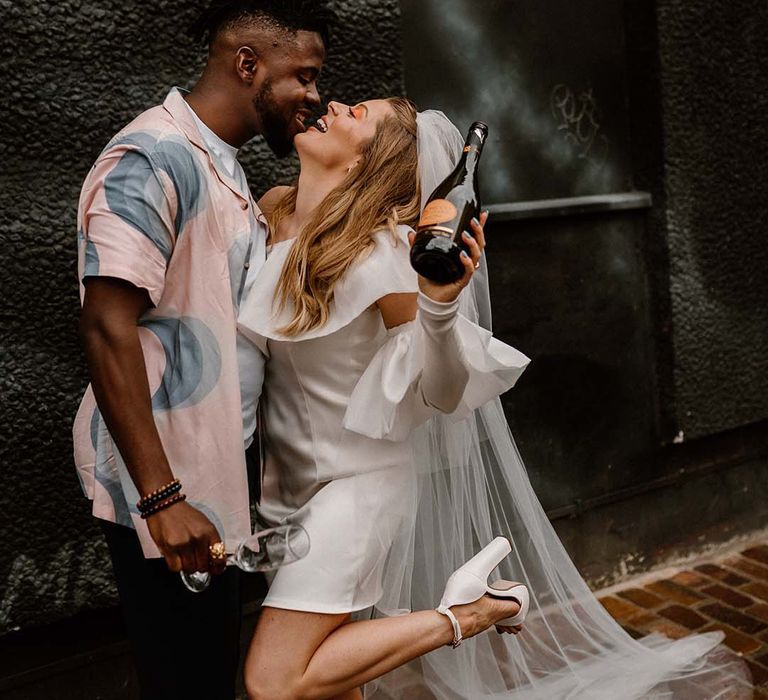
(436, 252)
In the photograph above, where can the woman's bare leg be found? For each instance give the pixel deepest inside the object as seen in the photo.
(311, 656)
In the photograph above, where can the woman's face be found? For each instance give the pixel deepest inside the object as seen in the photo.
(338, 137)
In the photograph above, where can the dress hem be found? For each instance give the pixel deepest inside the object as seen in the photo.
(303, 606)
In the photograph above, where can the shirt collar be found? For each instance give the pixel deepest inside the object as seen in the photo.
(177, 107)
(224, 154)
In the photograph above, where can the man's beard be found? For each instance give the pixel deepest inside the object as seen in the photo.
(275, 127)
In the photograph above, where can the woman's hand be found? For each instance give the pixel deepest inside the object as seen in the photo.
(475, 243)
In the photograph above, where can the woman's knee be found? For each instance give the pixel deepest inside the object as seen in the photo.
(281, 676)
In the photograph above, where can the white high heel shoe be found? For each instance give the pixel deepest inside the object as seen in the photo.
(470, 583)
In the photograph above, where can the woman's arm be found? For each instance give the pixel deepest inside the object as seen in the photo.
(397, 309)
(445, 375)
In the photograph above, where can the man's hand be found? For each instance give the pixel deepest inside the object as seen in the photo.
(183, 535)
(445, 293)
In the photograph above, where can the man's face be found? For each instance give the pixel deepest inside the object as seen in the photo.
(288, 93)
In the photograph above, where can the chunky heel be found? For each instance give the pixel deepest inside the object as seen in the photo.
(488, 558)
(470, 583)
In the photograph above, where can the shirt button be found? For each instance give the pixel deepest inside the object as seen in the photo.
(243, 205)
(247, 265)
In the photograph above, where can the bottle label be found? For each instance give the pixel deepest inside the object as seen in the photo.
(438, 211)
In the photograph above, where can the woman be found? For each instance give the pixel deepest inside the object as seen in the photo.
(356, 363)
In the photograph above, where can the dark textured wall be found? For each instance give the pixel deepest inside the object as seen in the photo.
(73, 74)
(547, 77)
(571, 293)
(639, 325)
(714, 59)
(598, 96)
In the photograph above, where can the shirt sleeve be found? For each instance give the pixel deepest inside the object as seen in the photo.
(127, 222)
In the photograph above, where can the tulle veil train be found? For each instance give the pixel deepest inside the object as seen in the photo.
(472, 486)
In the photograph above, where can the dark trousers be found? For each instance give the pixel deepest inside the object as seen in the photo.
(186, 645)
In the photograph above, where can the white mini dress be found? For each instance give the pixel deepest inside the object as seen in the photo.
(340, 403)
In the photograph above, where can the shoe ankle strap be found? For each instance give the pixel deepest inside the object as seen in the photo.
(457, 638)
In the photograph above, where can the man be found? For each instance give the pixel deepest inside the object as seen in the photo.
(169, 237)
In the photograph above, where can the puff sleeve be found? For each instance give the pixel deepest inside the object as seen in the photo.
(440, 362)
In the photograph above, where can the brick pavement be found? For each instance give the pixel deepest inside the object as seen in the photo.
(728, 593)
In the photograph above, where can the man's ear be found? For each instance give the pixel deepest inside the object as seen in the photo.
(247, 64)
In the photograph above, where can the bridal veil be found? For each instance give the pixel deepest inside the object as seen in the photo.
(473, 486)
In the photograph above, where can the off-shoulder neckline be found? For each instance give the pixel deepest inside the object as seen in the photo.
(384, 271)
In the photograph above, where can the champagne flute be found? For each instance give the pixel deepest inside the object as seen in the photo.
(264, 550)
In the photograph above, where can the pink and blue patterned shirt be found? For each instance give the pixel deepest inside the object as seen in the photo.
(159, 211)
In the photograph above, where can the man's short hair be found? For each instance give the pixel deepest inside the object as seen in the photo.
(289, 16)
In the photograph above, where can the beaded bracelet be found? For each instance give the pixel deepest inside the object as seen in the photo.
(167, 492)
(167, 503)
(159, 495)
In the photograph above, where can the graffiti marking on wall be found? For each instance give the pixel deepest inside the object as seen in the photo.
(578, 118)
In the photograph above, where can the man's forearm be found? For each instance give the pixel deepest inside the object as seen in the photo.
(119, 380)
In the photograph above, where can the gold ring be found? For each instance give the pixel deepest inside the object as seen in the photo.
(218, 551)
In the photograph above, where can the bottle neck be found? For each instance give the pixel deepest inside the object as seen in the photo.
(471, 156)
(473, 148)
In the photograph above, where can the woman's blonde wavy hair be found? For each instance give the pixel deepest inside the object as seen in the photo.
(381, 192)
